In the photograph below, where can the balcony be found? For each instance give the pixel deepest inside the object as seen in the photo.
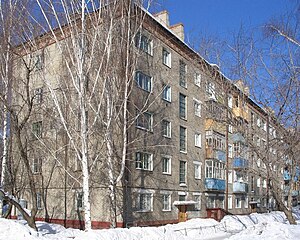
(240, 187)
(212, 153)
(241, 112)
(213, 184)
(239, 162)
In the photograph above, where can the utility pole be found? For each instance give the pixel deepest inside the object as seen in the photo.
(226, 151)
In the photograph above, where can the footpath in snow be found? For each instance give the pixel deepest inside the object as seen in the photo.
(265, 226)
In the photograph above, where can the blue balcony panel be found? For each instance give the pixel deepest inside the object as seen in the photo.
(215, 184)
(221, 155)
(240, 187)
(239, 162)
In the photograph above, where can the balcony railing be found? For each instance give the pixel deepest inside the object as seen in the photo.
(214, 184)
(212, 153)
(240, 187)
(239, 162)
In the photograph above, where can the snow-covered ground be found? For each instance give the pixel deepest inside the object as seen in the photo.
(266, 226)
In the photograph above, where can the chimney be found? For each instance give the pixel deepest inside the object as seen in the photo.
(178, 30)
(163, 18)
(245, 89)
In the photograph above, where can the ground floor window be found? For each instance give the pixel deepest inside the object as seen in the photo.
(166, 199)
(238, 202)
(211, 201)
(145, 202)
(197, 199)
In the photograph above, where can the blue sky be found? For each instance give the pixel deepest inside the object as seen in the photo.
(221, 17)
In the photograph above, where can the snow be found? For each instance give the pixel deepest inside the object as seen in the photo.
(273, 225)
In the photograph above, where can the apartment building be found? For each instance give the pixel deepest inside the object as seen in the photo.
(189, 152)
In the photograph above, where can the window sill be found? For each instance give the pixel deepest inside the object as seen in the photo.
(165, 173)
(169, 137)
(144, 211)
(166, 210)
(166, 100)
(145, 129)
(167, 65)
(184, 152)
(182, 184)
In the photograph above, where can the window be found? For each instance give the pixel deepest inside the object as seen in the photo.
(37, 129)
(39, 61)
(230, 176)
(182, 74)
(198, 140)
(182, 196)
(166, 57)
(258, 162)
(144, 121)
(230, 101)
(264, 124)
(210, 90)
(144, 43)
(166, 128)
(166, 164)
(39, 200)
(38, 95)
(182, 139)
(265, 183)
(197, 79)
(166, 94)
(238, 202)
(182, 106)
(236, 101)
(258, 182)
(230, 128)
(230, 151)
(252, 119)
(229, 202)
(144, 161)
(79, 200)
(143, 81)
(197, 199)
(258, 122)
(37, 165)
(197, 168)
(214, 169)
(182, 172)
(145, 202)
(197, 107)
(166, 200)
(211, 202)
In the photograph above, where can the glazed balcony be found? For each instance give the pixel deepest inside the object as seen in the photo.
(214, 184)
(240, 187)
(286, 175)
(212, 153)
(240, 163)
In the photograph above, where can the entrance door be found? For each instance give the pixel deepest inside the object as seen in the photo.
(182, 215)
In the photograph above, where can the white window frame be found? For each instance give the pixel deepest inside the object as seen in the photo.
(230, 128)
(197, 107)
(144, 43)
(39, 201)
(238, 202)
(143, 81)
(230, 150)
(183, 140)
(147, 206)
(166, 57)
(210, 90)
(258, 182)
(198, 140)
(182, 106)
(246, 202)
(197, 170)
(230, 176)
(169, 164)
(197, 79)
(197, 198)
(142, 163)
(166, 128)
(145, 121)
(182, 182)
(166, 202)
(182, 74)
(167, 93)
(230, 201)
(38, 95)
(230, 101)
(37, 165)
